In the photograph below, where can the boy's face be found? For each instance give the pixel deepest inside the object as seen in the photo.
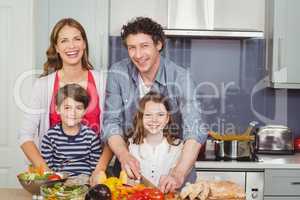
(71, 112)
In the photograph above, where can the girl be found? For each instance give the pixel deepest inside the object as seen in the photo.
(154, 140)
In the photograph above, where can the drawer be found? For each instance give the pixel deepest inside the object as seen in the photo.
(282, 182)
(281, 198)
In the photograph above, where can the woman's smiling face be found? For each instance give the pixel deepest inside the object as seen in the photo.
(70, 46)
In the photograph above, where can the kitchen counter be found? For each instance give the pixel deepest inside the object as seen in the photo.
(14, 194)
(265, 162)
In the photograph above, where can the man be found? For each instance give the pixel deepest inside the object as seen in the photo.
(130, 79)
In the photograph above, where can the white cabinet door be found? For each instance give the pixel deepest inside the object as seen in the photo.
(281, 198)
(283, 41)
(121, 11)
(237, 14)
(216, 14)
(16, 56)
(282, 182)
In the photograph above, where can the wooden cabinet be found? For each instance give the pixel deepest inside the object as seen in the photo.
(282, 41)
(282, 184)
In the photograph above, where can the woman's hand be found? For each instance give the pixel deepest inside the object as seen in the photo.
(33, 154)
(95, 176)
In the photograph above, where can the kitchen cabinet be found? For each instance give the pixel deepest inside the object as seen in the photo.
(282, 184)
(281, 198)
(223, 17)
(122, 11)
(216, 14)
(282, 42)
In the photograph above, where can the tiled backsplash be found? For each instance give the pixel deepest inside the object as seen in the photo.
(231, 79)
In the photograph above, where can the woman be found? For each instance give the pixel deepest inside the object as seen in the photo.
(67, 62)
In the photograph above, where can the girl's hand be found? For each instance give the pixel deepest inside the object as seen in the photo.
(167, 184)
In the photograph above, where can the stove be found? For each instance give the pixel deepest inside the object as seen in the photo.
(208, 154)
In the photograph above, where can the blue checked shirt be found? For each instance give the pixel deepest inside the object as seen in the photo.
(172, 81)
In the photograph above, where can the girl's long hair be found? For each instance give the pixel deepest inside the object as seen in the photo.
(54, 61)
(137, 133)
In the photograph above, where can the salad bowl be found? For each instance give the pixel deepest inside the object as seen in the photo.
(32, 182)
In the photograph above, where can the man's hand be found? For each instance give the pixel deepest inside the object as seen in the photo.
(176, 176)
(128, 162)
(168, 184)
(130, 165)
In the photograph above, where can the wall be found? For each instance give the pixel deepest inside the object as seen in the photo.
(16, 60)
(231, 80)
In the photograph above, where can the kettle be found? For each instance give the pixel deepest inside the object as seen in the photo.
(274, 139)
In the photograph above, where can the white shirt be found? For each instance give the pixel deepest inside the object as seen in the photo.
(156, 161)
(143, 88)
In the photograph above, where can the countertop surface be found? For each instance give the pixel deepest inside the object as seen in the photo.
(14, 194)
(265, 162)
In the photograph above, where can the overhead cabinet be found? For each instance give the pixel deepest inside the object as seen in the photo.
(283, 42)
(216, 18)
(212, 18)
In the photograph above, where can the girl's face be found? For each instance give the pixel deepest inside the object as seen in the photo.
(71, 112)
(155, 117)
(70, 45)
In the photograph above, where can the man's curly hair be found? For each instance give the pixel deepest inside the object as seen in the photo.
(144, 25)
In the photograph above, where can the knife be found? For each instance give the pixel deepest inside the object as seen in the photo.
(147, 182)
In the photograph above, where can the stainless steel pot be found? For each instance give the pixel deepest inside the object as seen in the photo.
(233, 149)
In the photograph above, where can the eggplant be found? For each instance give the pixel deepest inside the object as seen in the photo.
(99, 191)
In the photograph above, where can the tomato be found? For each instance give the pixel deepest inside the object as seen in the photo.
(138, 196)
(54, 177)
(153, 194)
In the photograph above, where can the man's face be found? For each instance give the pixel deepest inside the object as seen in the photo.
(144, 53)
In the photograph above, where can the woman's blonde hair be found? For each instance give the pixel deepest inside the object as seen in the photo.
(54, 61)
(137, 133)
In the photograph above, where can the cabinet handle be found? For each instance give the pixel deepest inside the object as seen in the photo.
(209, 13)
(295, 183)
(279, 57)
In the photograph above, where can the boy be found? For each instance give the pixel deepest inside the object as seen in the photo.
(70, 146)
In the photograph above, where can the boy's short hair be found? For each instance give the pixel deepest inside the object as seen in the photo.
(73, 91)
